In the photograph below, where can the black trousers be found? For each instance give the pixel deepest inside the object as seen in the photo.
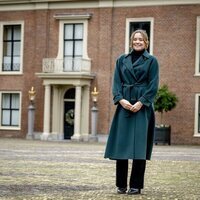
(137, 173)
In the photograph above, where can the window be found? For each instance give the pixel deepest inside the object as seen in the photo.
(10, 110)
(73, 46)
(197, 116)
(137, 23)
(197, 65)
(11, 48)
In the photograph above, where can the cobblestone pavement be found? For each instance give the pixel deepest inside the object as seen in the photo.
(69, 170)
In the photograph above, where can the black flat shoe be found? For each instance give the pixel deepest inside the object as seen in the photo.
(134, 191)
(121, 190)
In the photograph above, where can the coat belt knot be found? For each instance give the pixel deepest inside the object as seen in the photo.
(128, 90)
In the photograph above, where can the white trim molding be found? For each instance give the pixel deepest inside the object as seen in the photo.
(66, 16)
(127, 37)
(11, 5)
(61, 35)
(137, 3)
(197, 59)
(2, 24)
(196, 119)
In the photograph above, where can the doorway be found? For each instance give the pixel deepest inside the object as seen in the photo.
(69, 105)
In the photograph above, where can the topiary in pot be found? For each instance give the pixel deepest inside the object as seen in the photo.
(165, 101)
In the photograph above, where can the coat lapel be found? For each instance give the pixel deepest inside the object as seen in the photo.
(130, 66)
(128, 63)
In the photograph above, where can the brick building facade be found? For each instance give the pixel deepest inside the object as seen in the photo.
(65, 48)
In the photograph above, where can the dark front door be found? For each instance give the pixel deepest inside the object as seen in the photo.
(69, 105)
(68, 120)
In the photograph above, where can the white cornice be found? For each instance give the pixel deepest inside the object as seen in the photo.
(136, 3)
(69, 75)
(37, 1)
(105, 3)
(15, 5)
(72, 16)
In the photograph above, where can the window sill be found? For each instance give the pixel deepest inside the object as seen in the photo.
(10, 128)
(197, 74)
(196, 135)
(10, 73)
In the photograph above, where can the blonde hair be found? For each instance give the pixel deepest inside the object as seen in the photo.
(144, 35)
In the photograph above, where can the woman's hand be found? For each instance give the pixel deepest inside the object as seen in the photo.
(136, 107)
(125, 104)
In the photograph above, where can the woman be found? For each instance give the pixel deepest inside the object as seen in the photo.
(135, 85)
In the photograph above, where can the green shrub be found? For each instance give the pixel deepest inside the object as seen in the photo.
(165, 100)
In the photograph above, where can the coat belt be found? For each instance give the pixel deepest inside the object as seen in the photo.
(130, 87)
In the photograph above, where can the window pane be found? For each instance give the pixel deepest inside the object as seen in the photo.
(16, 59)
(7, 59)
(7, 33)
(6, 67)
(11, 48)
(69, 31)
(6, 63)
(16, 67)
(78, 31)
(5, 117)
(78, 48)
(16, 63)
(68, 48)
(16, 50)
(7, 48)
(5, 101)
(15, 118)
(73, 44)
(68, 64)
(10, 109)
(15, 101)
(77, 64)
(17, 32)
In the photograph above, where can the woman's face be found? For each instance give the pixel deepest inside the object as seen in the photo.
(138, 42)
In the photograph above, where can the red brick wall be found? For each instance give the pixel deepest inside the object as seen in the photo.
(35, 43)
(174, 45)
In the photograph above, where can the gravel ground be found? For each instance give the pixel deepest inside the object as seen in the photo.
(68, 170)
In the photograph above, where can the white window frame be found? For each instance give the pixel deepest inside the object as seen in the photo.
(20, 108)
(2, 24)
(197, 60)
(197, 102)
(61, 36)
(127, 37)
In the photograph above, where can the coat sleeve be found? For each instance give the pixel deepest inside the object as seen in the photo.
(153, 81)
(117, 83)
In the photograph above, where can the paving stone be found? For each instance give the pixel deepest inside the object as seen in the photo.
(77, 171)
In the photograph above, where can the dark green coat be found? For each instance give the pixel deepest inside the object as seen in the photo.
(131, 134)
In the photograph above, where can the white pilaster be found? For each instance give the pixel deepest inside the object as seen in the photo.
(85, 113)
(77, 123)
(56, 114)
(46, 123)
